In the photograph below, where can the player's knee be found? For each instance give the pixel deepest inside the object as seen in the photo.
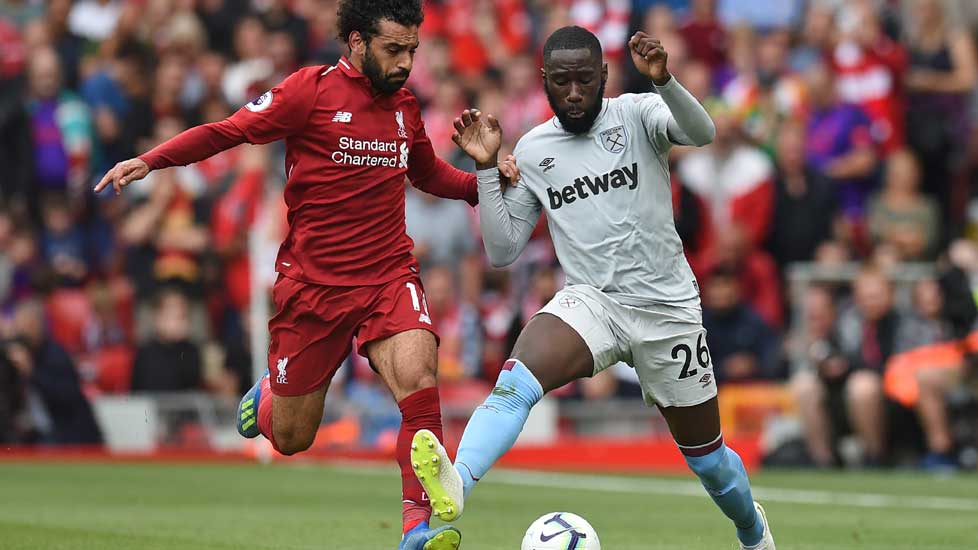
(290, 440)
(421, 381)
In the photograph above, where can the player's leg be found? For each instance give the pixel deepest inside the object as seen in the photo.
(809, 394)
(307, 345)
(674, 368)
(570, 338)
(396, 337)
(696, 430)
(548, 354)
(407, 362)
(864, 406)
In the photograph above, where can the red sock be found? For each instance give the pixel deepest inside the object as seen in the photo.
(419, 411)
(265, 411)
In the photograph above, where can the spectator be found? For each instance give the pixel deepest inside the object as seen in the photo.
(814, 37)
(757, 274)
(169, 361)
(942, 74)
(805, 204)
(839, 144)
(870, 67)
(704, 35)
(283, 22)
(867, 338)
(813, 352)
(932, 359)
(899, 216)
(68, 44)
(248, 77)
(63, 242)
(59, 412)
(742, 346)
(457, 324)
(60, 126)
(442, 233)
(733, 180)
(118, 95)
(768, 93)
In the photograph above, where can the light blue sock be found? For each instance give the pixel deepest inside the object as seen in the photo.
(724, 477)
(497, 423)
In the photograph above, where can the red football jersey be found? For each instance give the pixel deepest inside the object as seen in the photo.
(348, 150)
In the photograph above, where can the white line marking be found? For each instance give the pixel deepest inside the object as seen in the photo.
(646, 486)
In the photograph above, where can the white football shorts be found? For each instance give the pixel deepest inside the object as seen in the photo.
(664, 343)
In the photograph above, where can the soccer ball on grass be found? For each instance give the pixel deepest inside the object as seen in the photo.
(560, 531)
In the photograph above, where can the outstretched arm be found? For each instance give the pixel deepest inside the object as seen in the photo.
(688, 123)
(185, 148)
(278, 113)
(506, 222)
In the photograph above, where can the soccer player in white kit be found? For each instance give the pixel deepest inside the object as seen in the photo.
(600, 170)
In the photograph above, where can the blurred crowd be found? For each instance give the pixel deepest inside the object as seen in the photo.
(845, 137)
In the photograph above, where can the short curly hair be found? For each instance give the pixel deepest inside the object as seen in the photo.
(364, 15)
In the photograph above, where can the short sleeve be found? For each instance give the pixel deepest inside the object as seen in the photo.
(282, 111)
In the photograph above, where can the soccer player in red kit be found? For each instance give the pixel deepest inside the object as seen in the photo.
(345, 268)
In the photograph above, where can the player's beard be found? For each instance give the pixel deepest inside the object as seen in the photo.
(385, 84)
(580, 125)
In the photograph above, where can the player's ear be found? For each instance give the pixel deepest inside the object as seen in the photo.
(358, 43)
(604, 72)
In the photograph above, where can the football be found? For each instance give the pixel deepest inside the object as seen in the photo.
(560, 531)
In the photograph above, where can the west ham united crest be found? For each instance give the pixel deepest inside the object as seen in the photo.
(614, 139)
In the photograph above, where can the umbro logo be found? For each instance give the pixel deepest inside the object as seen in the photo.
(547, 164)
(343, 116)
(705, 380)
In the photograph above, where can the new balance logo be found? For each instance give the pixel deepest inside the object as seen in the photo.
(342, 116)
(282, 378)
(585, 186)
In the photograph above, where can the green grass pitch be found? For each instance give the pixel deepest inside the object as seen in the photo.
(284, 507)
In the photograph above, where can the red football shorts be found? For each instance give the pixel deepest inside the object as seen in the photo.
(313, 328)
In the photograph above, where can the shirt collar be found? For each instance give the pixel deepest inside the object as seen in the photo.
(351, 72)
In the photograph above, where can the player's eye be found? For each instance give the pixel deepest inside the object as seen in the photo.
(585, 81)
(560, 81)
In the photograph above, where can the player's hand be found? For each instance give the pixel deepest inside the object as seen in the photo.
(122, 174)
(480, 139)
(649, 57)
(509, 173)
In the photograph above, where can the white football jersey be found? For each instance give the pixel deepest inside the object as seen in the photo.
(608, 201)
